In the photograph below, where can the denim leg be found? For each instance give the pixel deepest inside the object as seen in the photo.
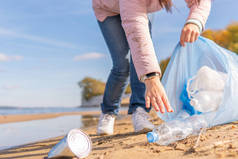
(117, 81)
(138, 91)
(137, 88)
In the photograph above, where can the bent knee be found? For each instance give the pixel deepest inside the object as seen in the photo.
(121, 71)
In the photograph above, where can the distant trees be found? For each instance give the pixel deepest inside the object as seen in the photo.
(93, 87)
(227, 38)
(163, 64)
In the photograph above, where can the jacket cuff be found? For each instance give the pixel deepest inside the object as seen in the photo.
(196, 22)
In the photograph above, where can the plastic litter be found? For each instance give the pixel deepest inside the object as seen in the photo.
(202, 87)
(206, 89)
(175, 130)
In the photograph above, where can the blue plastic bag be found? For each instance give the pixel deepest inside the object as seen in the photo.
(185, 63)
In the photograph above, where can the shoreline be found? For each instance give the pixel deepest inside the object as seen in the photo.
(12, 118)
(4, 119)
(217, 142)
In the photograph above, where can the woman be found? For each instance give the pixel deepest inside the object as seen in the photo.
(125, 26)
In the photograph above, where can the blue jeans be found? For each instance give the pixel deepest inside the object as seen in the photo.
(117, 81)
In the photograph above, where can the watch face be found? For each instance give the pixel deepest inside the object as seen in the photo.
(151, 74)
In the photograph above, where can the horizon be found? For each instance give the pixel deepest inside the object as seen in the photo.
(47, 47)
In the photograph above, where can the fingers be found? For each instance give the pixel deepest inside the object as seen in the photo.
(192, 37)
(147, 101)
(167, 104)
(182, 42)
(161, 105)
(155, 95)
(157, 103)
(196, 35)
(189, 34)
(154, 104)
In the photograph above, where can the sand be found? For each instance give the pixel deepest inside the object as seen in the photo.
(19, 118)
(217, 142)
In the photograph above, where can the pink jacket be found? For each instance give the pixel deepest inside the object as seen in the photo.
(135, 23)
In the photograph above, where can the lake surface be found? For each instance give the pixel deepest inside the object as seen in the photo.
(43, 110)
(20, 133)
(14, 134)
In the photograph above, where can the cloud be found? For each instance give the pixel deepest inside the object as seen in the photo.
(4, 58)
(88, 56)
(14, 34)
(10, 87)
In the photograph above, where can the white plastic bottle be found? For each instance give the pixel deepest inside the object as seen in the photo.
(205, 90)
(206, 101)
(175, 130)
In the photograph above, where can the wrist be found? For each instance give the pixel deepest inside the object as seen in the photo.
(152, 80)
(195, 22)
(149, 76)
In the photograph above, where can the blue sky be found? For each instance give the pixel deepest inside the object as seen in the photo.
(46, 47)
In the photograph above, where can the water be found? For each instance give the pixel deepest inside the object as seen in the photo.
(20, 133)
(14, 134)
(43, 110)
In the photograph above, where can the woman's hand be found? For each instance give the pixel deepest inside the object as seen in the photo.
(189, 34)
(155, 94)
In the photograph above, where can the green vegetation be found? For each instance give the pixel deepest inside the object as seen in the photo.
(93, 87)
(227, 38)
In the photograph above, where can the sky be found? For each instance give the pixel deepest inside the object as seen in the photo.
(48, 46)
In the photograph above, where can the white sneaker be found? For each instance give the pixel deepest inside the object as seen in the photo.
(106, 124)
(140, 119)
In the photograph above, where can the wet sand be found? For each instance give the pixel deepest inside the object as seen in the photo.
(217, 142)
(19, 118)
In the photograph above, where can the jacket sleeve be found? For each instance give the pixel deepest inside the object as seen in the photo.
(199, 11)
(135, 23)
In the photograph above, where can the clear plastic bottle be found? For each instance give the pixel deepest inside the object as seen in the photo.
(175, 130)
(198, 122)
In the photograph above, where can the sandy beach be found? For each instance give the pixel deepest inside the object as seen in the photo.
(217, 142)
(27, 117)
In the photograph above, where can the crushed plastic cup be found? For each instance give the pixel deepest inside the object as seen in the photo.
(75, 143)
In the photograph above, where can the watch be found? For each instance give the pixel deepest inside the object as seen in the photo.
(149, 76)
